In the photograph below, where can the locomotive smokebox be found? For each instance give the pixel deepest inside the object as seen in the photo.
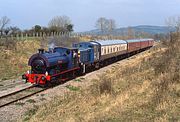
(41, 51)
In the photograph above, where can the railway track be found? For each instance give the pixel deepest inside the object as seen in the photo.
(19, 95)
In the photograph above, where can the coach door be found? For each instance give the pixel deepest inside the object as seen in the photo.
(96, 52)
(75, 57)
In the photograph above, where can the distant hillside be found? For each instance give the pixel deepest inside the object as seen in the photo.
(138, 29)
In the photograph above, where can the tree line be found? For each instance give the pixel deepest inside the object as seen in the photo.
(58, 24)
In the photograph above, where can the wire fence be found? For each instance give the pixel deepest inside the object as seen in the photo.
(27, 36)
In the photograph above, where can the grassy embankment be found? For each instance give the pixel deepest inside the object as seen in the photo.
(144, 90)
(13, 61)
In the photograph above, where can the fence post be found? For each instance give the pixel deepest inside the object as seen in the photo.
(26, 36)
(33, 34)
(17, 36)
(41, 34)
(61, 34)
(51, 34)
(44, 34)
(11, 37)
(21, 36)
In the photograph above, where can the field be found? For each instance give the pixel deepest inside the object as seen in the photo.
(146, 89)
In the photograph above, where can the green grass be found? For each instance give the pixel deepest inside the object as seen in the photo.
(30, 113)
(82, 78)
(42, 99)
(42, 95)
(19, 103)
(31, 101)
(72, 88)
(77, 80)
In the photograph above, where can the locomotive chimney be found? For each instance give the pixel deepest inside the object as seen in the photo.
(41, 51)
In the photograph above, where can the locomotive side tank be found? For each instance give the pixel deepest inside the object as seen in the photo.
(40, 62)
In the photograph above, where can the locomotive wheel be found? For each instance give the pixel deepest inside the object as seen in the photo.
(97, 66)
(48, 84)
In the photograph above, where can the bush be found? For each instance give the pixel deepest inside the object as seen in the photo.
(167, 68)
(8, 43)
(105, 85)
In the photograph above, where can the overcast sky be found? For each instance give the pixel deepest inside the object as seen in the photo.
(84, 13)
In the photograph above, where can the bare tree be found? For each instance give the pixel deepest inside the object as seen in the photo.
(111, 25)
(174, 22)
(130, 33)
(15, 30)
(4, 21)
(102, 24)
(59, 22)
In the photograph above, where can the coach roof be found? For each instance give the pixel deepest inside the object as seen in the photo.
(137, 40)
(110, 42)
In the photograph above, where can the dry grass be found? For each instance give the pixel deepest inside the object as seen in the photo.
(13, 61)
(146, 89)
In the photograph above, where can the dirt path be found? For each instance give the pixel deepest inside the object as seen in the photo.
(16, 111)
